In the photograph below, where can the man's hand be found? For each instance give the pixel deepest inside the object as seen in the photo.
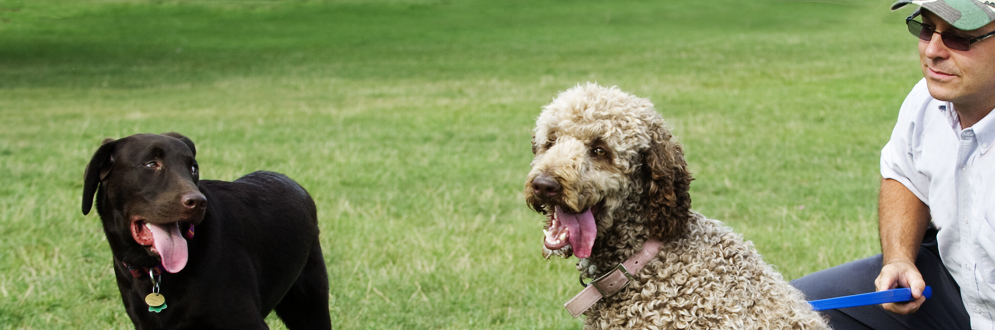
(902, 221)
(902, 274)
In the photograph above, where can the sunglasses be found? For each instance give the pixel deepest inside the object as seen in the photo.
(953, 41)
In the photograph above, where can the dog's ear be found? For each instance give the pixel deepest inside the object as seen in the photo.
(185, 140)
(669, 184)
(534, 148)
(98, 169)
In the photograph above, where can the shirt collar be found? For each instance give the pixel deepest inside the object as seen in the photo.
(947, 109)
(985, 132)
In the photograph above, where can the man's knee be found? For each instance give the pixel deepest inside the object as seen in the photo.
(854, 277)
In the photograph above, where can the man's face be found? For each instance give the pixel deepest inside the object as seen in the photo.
(965, 78)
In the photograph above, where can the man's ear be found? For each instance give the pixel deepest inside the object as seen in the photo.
(98, 169)
(185, 140)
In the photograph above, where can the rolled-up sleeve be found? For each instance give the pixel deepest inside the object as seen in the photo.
(899, 155)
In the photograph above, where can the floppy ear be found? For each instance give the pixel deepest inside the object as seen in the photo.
(98, 168)
(185, 140)
(669, 184)
(534, 147)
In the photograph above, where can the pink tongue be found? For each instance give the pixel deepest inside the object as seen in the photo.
(170, 245)
(582, 224)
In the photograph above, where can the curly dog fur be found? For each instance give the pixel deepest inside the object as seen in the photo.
(602, 152)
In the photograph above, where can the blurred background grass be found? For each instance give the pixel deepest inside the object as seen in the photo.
(409, 122)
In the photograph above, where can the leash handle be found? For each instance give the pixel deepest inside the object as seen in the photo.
(873, 298)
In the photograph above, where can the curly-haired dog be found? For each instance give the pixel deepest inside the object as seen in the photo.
(614, 187)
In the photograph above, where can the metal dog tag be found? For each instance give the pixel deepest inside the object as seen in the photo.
(155, 299)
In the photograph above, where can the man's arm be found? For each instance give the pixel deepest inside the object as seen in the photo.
(902, 221)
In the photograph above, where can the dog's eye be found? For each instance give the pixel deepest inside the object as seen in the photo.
(151, 164)
(193, 169)
(600, 152)
(550, 141)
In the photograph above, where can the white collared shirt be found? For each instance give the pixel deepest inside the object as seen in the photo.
(953, 172)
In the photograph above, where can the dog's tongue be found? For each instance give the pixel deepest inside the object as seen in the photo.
(170, 245)
(582, 230)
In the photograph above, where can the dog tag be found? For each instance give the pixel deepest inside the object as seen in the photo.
(157, 309)
(155, 300)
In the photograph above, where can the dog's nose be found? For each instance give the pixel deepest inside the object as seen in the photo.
(193, 200)
(545, 186)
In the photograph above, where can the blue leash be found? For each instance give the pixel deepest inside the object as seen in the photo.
(873, 298)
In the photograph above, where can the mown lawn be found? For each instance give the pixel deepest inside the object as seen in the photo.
(409, 122)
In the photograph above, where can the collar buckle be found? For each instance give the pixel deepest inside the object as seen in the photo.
(611, 289)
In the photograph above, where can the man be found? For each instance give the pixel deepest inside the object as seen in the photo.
(937, 202)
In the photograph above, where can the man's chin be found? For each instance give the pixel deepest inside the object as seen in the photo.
(942, 89)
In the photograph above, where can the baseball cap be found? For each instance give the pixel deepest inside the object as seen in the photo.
(962, 14)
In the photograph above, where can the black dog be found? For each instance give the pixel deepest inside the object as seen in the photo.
(191, 254)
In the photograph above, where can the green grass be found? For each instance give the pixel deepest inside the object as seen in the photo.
(409, 122)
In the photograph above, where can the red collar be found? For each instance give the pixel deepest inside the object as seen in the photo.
(139, 272)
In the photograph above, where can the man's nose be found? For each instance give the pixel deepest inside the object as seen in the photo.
(935, 47)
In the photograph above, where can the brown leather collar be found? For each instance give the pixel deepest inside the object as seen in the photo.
(613, 281)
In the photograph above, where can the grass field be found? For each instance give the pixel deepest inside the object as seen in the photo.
(409, 122)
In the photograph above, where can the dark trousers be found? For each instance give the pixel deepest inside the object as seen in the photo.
(944, 310)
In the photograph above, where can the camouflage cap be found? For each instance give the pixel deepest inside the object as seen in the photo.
(962, 14)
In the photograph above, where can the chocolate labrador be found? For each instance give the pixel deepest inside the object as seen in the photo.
(205, 254)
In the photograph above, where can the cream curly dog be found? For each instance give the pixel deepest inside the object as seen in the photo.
(609, 177)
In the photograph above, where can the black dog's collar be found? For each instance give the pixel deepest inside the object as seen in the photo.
(138, 272)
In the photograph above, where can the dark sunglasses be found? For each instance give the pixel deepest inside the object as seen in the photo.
(951, 40)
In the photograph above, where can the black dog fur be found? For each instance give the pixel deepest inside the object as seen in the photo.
(254, 249)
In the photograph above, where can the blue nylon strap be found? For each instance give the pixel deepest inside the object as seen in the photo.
(873, 298)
